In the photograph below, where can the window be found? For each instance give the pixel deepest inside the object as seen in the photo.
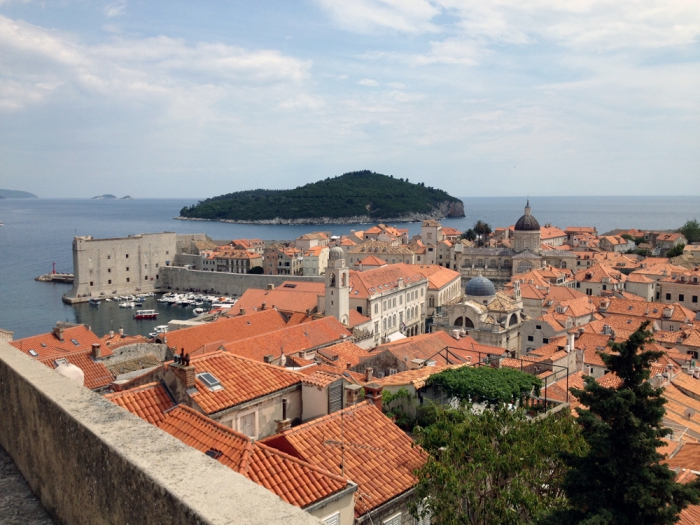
(530, 338)
(145, 266)
(246, 424)
(695, 298)
(127, 280)
(394, 520)
(401, 299)
(145, 278)
(376, 308)
(127, 255)
(681, 297)
(109, 270)
(167, 252)
(538, 326)
(578, 285)
(605, 287)
(109, 257)
(156, 265)
(90, 283)
(109, 282)
(394, 302)
(668, 296)
(127, 268)
(156, 277)
(545, 340)
(333, 519)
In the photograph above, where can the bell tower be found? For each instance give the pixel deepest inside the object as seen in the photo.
(338, 286)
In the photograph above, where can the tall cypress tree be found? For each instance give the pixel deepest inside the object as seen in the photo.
(619, 480)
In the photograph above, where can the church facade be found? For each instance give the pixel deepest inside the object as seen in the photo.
(500, 264)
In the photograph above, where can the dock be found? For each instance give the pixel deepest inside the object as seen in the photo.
(56, 278)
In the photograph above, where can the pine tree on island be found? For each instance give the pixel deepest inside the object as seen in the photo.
(619, 480)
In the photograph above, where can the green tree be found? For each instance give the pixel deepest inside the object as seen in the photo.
(691, 231)
(482, 229)
(469, 235)
(619, 480)
(675, 251)
(497, 467)
(494, 386)
(257, 270)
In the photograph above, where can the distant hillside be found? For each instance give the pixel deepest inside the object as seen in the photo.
(15, 194)
(105, 197)
(360, 196)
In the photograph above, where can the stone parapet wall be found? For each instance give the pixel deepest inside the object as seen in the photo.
(90, 461)
(174, 279)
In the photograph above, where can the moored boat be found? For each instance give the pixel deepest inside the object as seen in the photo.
(145, 314)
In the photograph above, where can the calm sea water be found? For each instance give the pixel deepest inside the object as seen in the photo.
(37, 232)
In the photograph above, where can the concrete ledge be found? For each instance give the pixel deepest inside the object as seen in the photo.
(89, 461)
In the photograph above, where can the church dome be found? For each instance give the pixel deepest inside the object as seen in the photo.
(480, 286)
(336, 253)
(527, 223)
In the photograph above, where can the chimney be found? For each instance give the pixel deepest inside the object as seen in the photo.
(121, 331)
(570, 342)
(96, 351)
(241, 311)
(270, 286)
(373, 393)
(263, 305)
(58, 332)
(455, 333)
(368, 374)
(284, 423)
(111, 334)
(352, 393)
(185, 373)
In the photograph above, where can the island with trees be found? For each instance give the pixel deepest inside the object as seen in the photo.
(356, 197)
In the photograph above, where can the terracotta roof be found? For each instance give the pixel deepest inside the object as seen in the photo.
(688, 457)
(334, 370)
(342, 355)
(381, 460)
(224, 329)
(378, 280)
(284, 299)
(321, 378)
(687, 384)
(600, 273)
(242, 380)
(437, 275)
(49, 345)
(371, 260)
(551, 232)
(355, 318)
(416, 377)
(117, 341)
(294, 480)
(439, 347)
(649, 310)
(303, 286)
(291, 339)
(96, 373)
(149, 401)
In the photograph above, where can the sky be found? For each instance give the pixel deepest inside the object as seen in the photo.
(504, 97)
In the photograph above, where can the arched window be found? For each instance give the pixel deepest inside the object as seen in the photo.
(563, 264)
(394, 323)
(466, 263)
(384, 324)
(333, 279)
(513, 320)
(432, 302)
(480, 263)
(342, 279)
(493, 263)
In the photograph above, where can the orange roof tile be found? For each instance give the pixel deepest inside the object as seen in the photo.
(355, 318)
(49, 345)
(97, 375)
(371, 260)
(378, 280)
(149, 401)
(439, 347)
(224, 330)
(342, 355)
(291, 339)
(295, 481)
(437, 275)
(381, 462)
(285, 300)
(242, 380)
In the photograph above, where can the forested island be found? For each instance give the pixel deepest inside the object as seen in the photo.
(16, 194)
(360, 196)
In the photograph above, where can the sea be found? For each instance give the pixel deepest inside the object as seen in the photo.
(37, 233)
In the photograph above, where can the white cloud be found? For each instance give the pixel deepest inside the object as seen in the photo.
(368, 82)
(115, 9)
(407, 16)
(31, 56)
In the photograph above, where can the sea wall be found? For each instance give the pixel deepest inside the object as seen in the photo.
(90, 461)
(175, 278)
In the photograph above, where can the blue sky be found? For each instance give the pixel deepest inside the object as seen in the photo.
(506, 97)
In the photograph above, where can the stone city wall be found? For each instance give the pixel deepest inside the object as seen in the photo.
(90, 461)
(180, 279)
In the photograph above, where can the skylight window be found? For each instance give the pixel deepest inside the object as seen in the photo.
(59, 362)
(33, 353)
(211, 381)
(43, 344)
(76, 343)
(214, 453)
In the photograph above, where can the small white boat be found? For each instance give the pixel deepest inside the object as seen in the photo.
(198, 311)
(126, 304)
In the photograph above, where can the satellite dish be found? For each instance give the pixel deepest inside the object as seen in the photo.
(689, 412)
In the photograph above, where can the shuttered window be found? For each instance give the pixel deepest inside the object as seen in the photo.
(394, 520)
(334, 519)
(335, 397)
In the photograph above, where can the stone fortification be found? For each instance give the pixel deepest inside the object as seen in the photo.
(176, 278)
(90, 461)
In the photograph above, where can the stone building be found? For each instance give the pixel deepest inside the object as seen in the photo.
(492, 318)
(500, 264)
